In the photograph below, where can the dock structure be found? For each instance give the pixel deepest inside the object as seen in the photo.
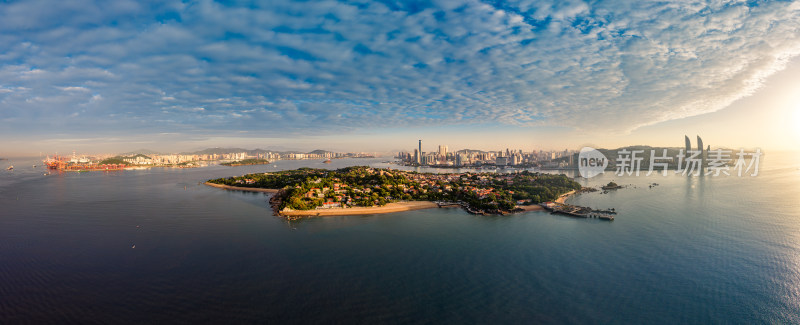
(449, 204)
(578, 211)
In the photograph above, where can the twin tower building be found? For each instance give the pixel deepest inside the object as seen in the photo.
(703, 153)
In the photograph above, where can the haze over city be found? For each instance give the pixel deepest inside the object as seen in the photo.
(378, 75)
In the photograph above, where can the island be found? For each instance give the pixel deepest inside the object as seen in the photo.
(246, 162)
(611, 186)
(367, 190)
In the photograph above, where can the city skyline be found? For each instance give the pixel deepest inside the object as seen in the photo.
(544, 75)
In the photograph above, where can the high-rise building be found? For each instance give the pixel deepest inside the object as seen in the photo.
(501, 161)
(702, 154)
(516, 159)
(688, 145)
(442, 151)
(419, 157)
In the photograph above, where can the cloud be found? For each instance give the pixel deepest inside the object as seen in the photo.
(285, 67)
(74, 88)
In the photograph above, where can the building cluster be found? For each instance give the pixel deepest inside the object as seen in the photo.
(173, 159)
(169, 159)
(507, 157)
(340, 195)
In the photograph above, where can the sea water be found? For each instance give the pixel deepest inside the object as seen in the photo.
(157, 246)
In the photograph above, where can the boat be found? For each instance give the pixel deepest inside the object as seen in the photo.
(78, 165)
(10, 168)
(56, 162)
(327, 161)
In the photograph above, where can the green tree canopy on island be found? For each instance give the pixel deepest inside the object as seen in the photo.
(308, 188)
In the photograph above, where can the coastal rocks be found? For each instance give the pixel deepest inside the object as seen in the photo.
(611, 186)
(276, 200)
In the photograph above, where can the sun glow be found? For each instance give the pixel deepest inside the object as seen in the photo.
(795, 124)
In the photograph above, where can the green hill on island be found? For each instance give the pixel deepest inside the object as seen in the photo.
(246, 162)
(361, 186)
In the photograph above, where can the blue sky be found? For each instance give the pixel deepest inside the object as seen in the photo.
(171, 75)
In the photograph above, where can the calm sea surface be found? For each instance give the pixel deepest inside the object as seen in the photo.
(691, 250)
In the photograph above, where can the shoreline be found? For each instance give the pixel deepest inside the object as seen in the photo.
(237, 165)
(532, 207)
(564, 197)
(388, 208)
(245, 189)
(538, 207)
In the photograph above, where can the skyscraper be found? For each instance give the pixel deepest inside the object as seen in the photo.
(702, 155)
(688, 145)
(419, 156)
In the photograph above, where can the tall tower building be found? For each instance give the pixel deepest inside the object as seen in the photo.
(419, 156)
(702, 155)
(688, 145)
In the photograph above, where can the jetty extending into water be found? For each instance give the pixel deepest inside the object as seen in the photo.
(579, 211)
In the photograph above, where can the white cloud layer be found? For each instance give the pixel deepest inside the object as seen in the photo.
(282, 66)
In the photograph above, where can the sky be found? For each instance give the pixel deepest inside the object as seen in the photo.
(114, 76)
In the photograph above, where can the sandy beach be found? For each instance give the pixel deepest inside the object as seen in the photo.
(536, 207)
(246, 189)
(564, 197)
(388, 208)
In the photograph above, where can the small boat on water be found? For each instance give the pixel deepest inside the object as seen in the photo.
(10, 168)
(327, 161)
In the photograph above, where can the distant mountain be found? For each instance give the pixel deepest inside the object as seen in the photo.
(220, 151)
(140, 151)
(320, 152)
(216, 151)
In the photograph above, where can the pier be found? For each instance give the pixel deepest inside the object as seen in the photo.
(579, 211)
(449, 204)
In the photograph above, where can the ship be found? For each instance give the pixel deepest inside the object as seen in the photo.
(75, 164)
(10, 168)
(327, 161)
(55, 162)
